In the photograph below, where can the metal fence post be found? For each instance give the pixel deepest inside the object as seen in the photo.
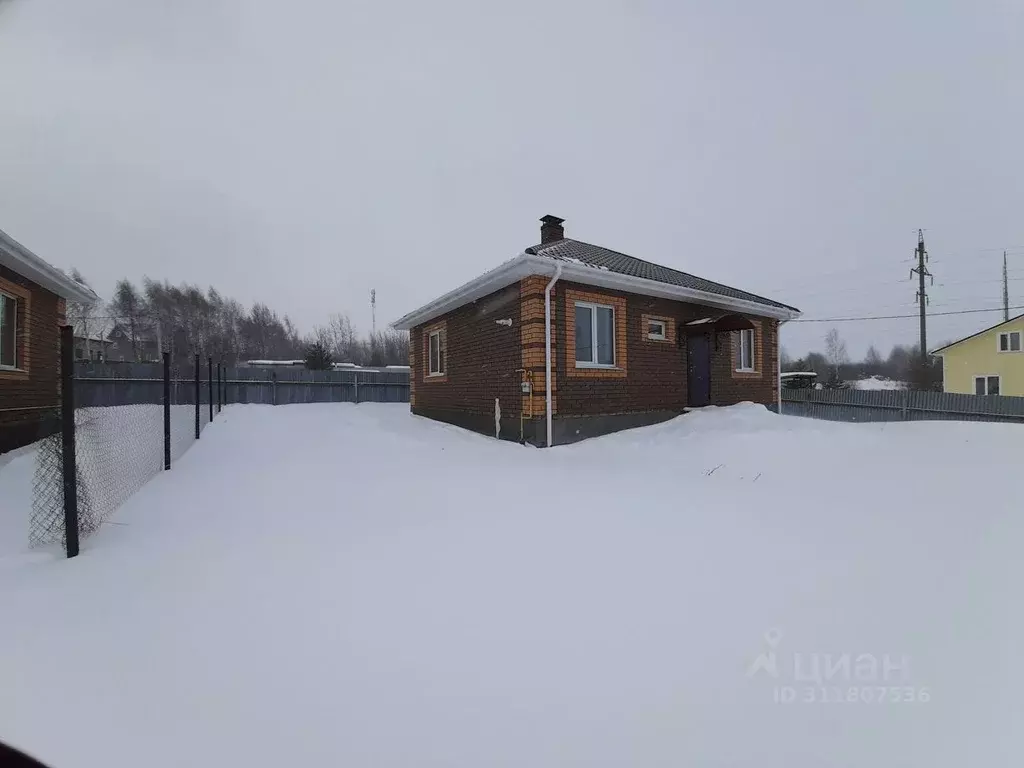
(67, 403)
(167, 410)
(357, 386)
(220, 389)
(198, 398)
(209, 368)
(273, 388)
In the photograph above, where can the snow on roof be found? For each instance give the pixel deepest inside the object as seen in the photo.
(20, 259)
(275, 362)
(798, 373)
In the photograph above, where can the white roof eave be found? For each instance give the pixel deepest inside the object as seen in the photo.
(20, 259)
(530, 264)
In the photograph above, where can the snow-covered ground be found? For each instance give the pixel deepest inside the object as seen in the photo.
(350, 585)
(878, 382)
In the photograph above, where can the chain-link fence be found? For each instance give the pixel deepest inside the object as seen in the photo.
(143, 426)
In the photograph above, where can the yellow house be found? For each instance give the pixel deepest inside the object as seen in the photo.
(991, 362)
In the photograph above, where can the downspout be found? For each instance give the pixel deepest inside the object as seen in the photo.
(547, 347)
(778, 368)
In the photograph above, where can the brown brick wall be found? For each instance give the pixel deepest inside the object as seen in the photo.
(27, 394)
(729, 386)
(531, 335)
(481, 357)
(654, 376)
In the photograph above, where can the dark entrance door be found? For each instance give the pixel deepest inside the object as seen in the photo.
(698, 369)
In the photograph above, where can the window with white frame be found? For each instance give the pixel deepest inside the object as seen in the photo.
(743, 349)
(656, 330)
(437, 353)
(8, 331)
(1009, 341)
(986, 385)
(595, 335)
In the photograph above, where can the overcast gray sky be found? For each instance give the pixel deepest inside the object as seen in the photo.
(304, 152)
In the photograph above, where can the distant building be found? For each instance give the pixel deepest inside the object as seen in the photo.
(145, 350)
(94, 348)
(989, 362)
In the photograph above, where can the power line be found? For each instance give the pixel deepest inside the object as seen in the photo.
(896, 317)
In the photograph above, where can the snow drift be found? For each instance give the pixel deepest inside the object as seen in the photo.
(350, 585)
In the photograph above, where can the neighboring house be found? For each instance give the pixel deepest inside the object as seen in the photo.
(989, 362)
(121, 350)
(32, 308)
(631, 343)
(95, 347)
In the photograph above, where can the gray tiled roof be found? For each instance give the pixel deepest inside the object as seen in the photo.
(613, 261)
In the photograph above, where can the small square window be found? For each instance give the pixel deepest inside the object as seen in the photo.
(656, 330)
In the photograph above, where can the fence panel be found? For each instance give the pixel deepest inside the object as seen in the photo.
(126, 426)
(900, 405)
(105, 384)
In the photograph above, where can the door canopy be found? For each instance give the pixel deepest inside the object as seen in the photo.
(718, 324)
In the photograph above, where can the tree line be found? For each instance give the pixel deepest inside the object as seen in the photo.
(833, 365)
(186, 320)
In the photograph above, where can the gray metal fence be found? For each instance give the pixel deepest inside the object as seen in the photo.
(899, 405)
(103, 384)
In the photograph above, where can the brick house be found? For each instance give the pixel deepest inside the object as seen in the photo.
(631, 343)
(32, 309)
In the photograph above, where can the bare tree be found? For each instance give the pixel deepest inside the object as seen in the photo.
(835, 352)
(82, 315)
(128, 308)
(340, 336)
(390, 347)
(785, 361)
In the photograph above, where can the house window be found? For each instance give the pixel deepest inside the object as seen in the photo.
(656, 330)
(437, 353)
(986, 385)
(595, 335)
(8, 331)
(1009, 341)
(743, 347)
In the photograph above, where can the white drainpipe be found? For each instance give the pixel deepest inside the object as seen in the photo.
(547, 347)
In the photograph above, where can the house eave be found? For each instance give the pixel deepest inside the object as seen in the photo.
(526, 264)
(489, 282)
(20, 259)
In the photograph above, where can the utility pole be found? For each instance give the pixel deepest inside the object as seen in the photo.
(1006, 292)
(922, 297)
(373, 309)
